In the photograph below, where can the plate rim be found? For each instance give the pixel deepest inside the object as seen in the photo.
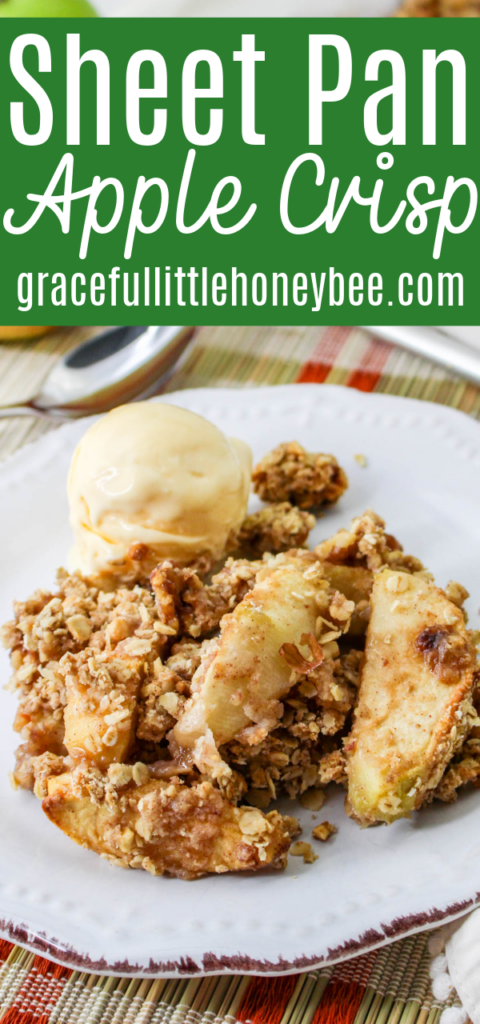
(240, 963)
(18, 466)
(45, 441)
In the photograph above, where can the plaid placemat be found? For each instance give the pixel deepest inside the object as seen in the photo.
(390, 986)
(246, 356)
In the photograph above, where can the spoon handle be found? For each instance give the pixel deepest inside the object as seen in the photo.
(6, 411)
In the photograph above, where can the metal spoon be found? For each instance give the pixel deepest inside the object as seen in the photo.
(436, 344)
(120, 365)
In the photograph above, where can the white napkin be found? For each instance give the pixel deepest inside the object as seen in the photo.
(455, 969)
(463, 958)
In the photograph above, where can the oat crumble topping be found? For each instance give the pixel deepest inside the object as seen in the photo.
(275, 528)
(289, 473)
(107, 671)
(302, 849)
(324, 831)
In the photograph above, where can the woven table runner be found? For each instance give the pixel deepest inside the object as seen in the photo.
(389, 986)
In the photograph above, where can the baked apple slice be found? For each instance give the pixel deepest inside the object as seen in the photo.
(244, 675)
(355, 582)
(101, 707)
(162, 826)
(414, 700)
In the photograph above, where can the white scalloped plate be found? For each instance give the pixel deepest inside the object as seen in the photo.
(367, 887)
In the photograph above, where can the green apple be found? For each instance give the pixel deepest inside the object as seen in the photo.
(46, 9)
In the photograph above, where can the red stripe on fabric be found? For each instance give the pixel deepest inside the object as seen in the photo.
(324, 355)
(61, 972)
(340, 1003)
(42, 987)
(265, 1000)
(15, 1016)
(371, 367)
(313, 373)
(43, 966)
(48, 989)
(5, 949)
(363, 380)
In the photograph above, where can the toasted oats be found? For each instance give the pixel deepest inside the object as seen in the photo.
(120, 775)
(324, 831)
(275, 528)
(118, 629)
(456, 593)
(366, 544)
(140, 773)
(340, 608)
(171, 702)
(260, 798)
(301, 849)
(252, 822)
(109, 739)
(313, 799)
(290, 474)
(79, 626)
(186, 605)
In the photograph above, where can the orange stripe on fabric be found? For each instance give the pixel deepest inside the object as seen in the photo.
(5, 949)
(42, 988)
(371, 367)
(313, 373)
(44, 966)
(363, 380)
(324, 355)
(265, 1000)
(340, 1003)
(15, 1016)
(50, 981)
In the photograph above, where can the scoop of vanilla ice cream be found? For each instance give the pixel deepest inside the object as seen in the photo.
(158, 475)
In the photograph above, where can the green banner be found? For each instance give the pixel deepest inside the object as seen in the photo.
(239, 171)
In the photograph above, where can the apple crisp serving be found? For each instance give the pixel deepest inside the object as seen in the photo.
(161, 713)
